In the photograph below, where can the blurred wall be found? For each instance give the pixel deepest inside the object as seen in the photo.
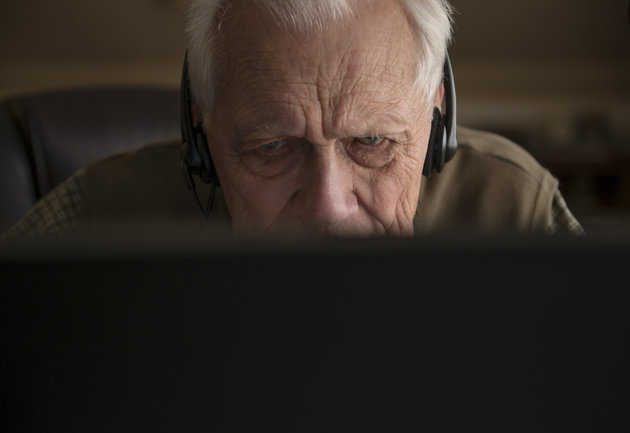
(553, 75)
(573, 55)
(52, 44)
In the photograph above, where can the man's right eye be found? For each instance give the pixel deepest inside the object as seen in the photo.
(273, 146)
(274, 157)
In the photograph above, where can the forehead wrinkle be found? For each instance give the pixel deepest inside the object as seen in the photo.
(260, 74)
(369, 84)
(370, 110)
(348, 83)
(267, 78)
(370, 120)
(264, 117)
(342, 115)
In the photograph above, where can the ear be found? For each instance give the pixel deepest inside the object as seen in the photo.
(439, 96)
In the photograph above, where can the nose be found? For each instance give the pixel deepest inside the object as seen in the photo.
(325, 198)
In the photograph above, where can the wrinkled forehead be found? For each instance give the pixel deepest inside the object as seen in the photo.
(371, 50)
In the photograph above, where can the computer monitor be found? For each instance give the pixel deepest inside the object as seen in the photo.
(429, 334)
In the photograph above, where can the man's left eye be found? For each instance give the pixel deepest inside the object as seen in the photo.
(369, 141)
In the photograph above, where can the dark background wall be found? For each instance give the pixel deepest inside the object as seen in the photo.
(552, 75)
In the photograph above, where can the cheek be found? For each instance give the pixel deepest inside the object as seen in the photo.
(254, 204)
(251, 203)
(392, 195)
(400, 186)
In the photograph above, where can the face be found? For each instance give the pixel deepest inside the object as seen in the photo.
(319, 131)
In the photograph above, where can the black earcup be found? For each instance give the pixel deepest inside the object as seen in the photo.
(195, 157)
(434, 159)
(443, 137)
(207, 173)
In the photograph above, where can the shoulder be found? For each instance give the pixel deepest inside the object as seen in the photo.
(156, 156)
(132, 188)
(54, 215)
(146, 181)
(486, 147)
(491, 184)
(140, 183)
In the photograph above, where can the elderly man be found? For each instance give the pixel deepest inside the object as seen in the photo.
(316, 116)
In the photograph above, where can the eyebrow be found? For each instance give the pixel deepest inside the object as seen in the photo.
(266, 127)
(253, 131)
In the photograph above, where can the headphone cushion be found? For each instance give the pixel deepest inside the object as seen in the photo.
(434, 159)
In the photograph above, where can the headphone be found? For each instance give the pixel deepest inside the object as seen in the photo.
(196, 159)
(443, 137)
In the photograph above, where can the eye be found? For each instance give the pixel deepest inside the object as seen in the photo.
(370, 141)
(372, 151)
(272, 146)
(272, 158)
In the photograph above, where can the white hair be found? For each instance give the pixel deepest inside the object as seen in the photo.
(430, 20)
